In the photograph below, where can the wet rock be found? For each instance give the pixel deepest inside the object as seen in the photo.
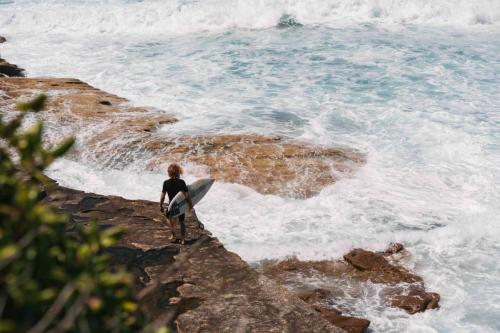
(394, 248)
(349, 279)
(10, 70)
(378, 269)
(77, 105)
(407, 291)
(317, 296)
(197, 287)
(347, 323)
(291, 273)
(288, 21)
(113, 134)
(417, 300)
(269, 164)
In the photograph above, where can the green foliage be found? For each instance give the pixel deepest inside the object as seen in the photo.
(49, 280)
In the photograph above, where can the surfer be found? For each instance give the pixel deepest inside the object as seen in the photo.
(172, 186)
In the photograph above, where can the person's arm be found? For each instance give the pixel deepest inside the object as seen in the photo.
(162, 200)
(185, 190)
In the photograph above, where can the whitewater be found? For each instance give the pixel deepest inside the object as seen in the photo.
(413, 84)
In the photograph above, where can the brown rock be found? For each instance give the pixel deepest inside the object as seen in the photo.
(269, 164)
(317, 296)
(112, 133)
(200, 286)
(347, 280)
(291, 273)
(349, 324)
(378, 269)
(417, 300)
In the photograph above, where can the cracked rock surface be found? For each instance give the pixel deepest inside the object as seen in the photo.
(199, 286)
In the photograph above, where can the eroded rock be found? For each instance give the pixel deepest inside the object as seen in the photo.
(416, 300)
(199, 286)
(350, 279)
(269, 164)
(349, 324)
(294, 273)
(376, 268)
(113, 134)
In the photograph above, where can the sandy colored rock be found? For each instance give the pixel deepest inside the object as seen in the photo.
(113, 134)
(269, 164)
(198, 287)
(76, 103)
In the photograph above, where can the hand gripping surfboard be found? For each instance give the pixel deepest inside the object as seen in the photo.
(197, 191)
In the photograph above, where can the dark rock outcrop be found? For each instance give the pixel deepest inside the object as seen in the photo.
(7, 69)
(10, 70)
(200, 286)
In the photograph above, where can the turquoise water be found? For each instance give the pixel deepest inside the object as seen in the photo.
(413, 84)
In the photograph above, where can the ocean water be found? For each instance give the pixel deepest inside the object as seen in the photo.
(413, 84)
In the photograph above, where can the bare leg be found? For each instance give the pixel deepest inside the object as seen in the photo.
(171, 227)
(183, 228)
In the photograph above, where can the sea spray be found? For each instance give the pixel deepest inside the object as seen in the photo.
(183, 16)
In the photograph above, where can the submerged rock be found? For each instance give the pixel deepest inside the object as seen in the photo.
(288, 21)
(113, 134)
(197, 287)
(268, 164)
(349, 279)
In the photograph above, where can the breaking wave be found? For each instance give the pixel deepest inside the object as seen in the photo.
(188, 16)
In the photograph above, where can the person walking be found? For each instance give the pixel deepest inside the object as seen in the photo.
(171, 187)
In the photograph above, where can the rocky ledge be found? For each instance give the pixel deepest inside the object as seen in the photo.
(202, 287)
(113, 133)
(197, 287)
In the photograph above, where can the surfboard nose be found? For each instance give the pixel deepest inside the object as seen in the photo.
(210, 182)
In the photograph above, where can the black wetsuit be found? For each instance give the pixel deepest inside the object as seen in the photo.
(173, 186)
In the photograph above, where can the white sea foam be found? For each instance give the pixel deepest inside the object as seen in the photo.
(187, 16)
(421, 102)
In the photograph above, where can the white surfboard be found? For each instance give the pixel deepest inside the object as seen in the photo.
(197, 191)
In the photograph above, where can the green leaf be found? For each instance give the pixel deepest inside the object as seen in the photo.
(8, 251)
(63, 148)
(34, 105)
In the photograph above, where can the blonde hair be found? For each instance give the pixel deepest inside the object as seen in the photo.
(174, 170)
